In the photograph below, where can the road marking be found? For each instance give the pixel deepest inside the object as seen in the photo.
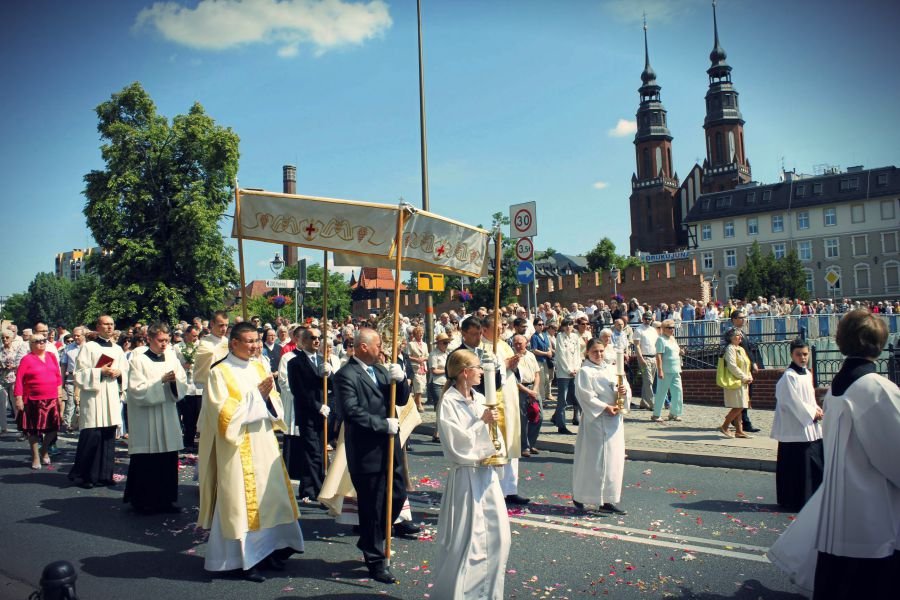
(645, 541)
(630, 534)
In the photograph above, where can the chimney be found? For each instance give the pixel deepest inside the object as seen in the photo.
(289, 182)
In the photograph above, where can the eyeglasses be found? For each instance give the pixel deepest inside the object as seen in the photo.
(669, 327)
(38, 341)
(315, 337)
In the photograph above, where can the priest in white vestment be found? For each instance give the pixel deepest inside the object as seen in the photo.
(100, 376)
(156, 380)
(246, 499)
(600, 445)
(473, 525)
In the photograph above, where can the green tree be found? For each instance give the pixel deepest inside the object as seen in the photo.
(603, 256)
(15, 309)
(156, 208)
(49, 300)
(339, 303)
(764, 275)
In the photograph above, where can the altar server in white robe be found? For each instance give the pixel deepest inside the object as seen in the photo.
(858, 538)
(246, 499)
(801, 459)
(156, 380)
(101, 371)
(473, 526)
(600, 445)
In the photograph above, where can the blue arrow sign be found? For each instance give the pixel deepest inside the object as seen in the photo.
(525, 273)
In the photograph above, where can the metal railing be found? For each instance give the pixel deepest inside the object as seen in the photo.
(827, 363)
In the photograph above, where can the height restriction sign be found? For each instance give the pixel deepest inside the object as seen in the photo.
(523, 220)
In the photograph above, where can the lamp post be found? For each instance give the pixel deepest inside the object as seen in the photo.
(614, 273)
(277, 266)
(715, 286)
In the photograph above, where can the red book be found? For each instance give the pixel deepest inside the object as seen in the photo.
(104, 361)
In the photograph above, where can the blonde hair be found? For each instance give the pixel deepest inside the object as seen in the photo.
(458, 362)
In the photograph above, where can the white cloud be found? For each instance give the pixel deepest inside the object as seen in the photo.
(623, 128)
(224, 24)
(601, 185)
(659, 11)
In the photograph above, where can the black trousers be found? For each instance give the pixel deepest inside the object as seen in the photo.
(371, 495)
(844, 578)
(152, 481)
(311, 468)
(189, 411)
(95, 456)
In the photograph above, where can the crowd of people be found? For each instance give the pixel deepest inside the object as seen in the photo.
(223, 389)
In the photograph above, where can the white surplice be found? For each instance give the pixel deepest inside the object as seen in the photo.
(473, 526)
(600, 445)
(100, 396)
(795, 409)
(153, 424)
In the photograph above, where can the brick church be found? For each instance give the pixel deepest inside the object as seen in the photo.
(659, 201)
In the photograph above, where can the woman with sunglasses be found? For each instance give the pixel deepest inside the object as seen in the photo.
(39, 396)
(668, 374)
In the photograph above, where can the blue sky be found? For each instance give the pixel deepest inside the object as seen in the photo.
(523, 99)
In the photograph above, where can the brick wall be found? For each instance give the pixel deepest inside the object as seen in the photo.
(700, 388)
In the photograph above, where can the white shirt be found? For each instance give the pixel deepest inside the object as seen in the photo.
(645, 338)
(795, 408)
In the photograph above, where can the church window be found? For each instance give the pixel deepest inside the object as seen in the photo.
(730, 146)
(646, 159)
(671, 166)
(659, 165)
(720, 150)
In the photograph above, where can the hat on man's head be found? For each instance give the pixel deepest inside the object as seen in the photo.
(738, 314)
(648, 316)
(441, 337)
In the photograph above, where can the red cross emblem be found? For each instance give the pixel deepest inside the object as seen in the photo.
(310, 230)
(441, 249)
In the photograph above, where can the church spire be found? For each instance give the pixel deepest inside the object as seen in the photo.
(717, 56)
(649, 75)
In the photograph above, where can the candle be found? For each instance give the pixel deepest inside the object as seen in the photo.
(620, 362)
(490, 383)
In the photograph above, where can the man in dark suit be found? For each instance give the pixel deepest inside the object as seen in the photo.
(305, 372)
(363, 388)
(738, 318)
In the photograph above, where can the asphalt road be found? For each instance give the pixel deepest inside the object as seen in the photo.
(690, 532)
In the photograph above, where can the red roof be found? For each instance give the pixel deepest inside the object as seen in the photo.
(375, 278)
(257, 287)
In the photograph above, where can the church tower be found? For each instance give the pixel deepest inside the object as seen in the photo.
(726, 165)
(655, 214)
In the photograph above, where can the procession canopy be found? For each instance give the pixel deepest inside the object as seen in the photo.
(364, 233)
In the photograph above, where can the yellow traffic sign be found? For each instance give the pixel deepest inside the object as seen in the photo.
(431, 282)
(832, 278)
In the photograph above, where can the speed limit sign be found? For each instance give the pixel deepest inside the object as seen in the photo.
(524, 249)
(523, 220)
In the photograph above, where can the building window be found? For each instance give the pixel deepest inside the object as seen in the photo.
(830, 217)
(817, 189)
(861, 279)
(860, 245)
(767, 196)
(729, 229)
(707, 261)
(892, 276)
(882, 179)
(810, 281)
(803, 219)
(706, 232)
(858, 213)
(723, 202)
(730, 258)
(752, 226)
(849, 184)
(779, 250)
(889, 242)
(705, 204)
(730, 283)
(832, 248)
(777, 223)
(800, 191)
(720, 148)
(887, 210)
(804, 251)
(751, 198)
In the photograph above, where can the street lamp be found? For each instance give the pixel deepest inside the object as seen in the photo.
(614, 273)
(277, 266)
(715, 286)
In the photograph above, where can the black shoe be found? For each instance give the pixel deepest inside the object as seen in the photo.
(382, 575)
(517, 499)
(579, 506)
(565, 431)
(86, 485)
(274, 563)
(612, 509)
(575, 421)
(406, 528)
(751, 428)
(355, 529)
(283, 554)
(252, 574)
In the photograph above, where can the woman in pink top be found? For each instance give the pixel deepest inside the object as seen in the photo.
(39, 394)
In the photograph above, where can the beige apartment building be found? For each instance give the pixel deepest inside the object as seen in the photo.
(840, 222)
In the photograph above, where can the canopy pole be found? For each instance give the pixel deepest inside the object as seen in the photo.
(240, 240)
(325, 352)
(392, 405)
(498, 258)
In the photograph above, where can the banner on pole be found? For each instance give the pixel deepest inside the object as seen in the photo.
(362, 233)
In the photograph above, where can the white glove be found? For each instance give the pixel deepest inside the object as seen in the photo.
(325, 369)
(393, 426)
(325, 411)
(396, 372)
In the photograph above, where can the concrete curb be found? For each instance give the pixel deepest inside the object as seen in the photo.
(655, 455)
